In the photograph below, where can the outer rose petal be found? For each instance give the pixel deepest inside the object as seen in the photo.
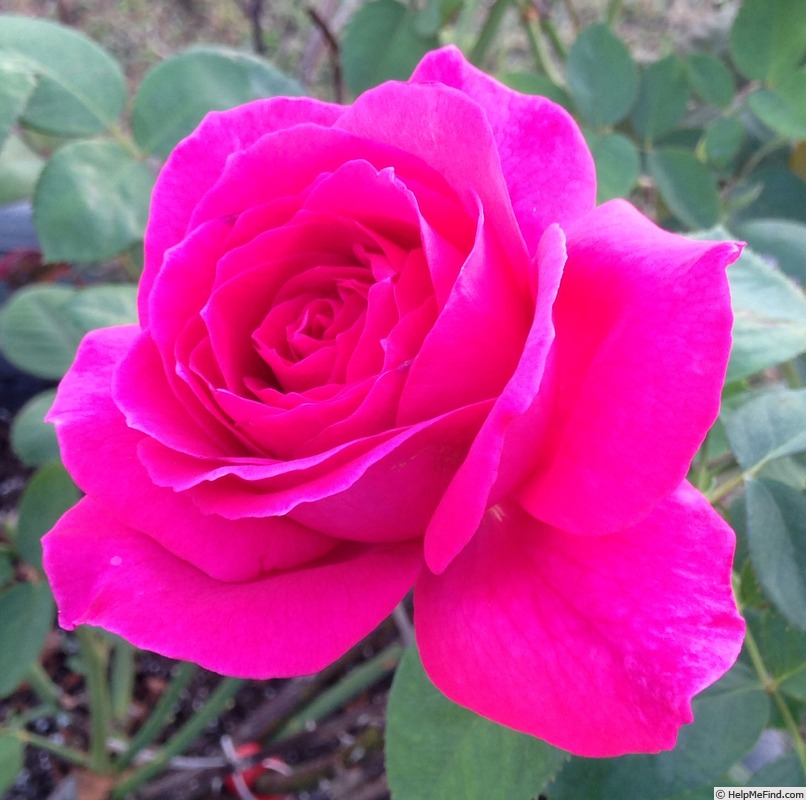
(108, 574)
(643, 335)
(100, 451)
(547, 165)
(596, 645)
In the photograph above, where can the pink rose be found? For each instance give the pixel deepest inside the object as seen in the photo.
(394, 345)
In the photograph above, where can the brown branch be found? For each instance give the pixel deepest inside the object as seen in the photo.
(335, 52)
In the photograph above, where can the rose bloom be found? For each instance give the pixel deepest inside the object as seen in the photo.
(393, 345)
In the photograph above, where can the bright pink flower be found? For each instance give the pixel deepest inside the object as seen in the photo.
(394, 344)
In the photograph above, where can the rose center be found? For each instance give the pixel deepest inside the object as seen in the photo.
(307, 337)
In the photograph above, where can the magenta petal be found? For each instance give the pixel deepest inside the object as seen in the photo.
(546, 163)
(474, 344)
(643, 323)
(464, 153)
(461, 509)
(96, 443)
(108, 574)
(197, 162)
(596, 645)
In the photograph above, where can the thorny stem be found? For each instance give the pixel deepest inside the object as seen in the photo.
(160, 715)
(122, 680)
(355, 682)
(43, 743)
(488, 31)
(94, 655)
(219, 700)
(534, 32)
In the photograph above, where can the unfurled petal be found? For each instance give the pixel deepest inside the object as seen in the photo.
(642, 341)
(595, 644)
(105, 573)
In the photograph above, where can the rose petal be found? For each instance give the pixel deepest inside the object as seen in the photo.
(100, 452)
(643, 336)
(197, 162)
(546, 163)
(449, 133)
(462, 507)
(474, 345)
(257, 487)
(106, 573)
(596, 645)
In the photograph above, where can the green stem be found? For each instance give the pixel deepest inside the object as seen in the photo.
(534, 33)
(43, 743)
(771, 687)
(556, 42)
(42, 684)
(185, 736)
(122, 680)
(488, 31)
(354, 683)
(773, 144)
(160, 715)
(94, 653)
(613, 11)
(790, 371)
(702, 475)
(116, 132)
(724, 489)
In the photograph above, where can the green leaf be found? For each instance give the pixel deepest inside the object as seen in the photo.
(710, 79)
(767, 427)
(91, 202)
(33, 439)
(428, 20)
(728, 719)
(6, 570)
(531, 83)
(176, 94)
(779, 193)
(785, 771)
(48, 495)
(11, 761)
(26, 616)
(602, 77)
(780, 239)
(723, 139)
(41, 326)
(617, 165)
(662, 98)
(381, 43)
(17, 84)
(783, 109)
(686, 186)
(20, 168)
(768, 38)
(776, 534)
(769, 317)
(783, 649)
(437, 750)
(80, 89)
